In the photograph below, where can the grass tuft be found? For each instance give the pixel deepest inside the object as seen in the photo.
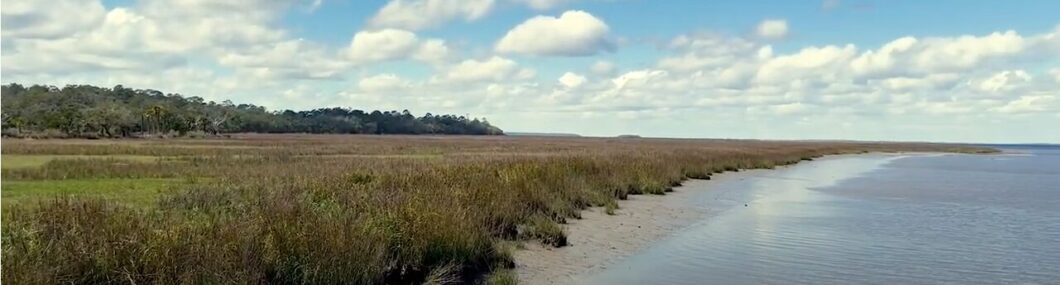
(547, 231)
(502, 277)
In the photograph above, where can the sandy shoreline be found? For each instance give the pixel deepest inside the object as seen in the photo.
(599, 240)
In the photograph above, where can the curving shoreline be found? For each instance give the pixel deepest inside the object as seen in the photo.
(598, 240)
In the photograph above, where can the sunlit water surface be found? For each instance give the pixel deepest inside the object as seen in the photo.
(920, 219)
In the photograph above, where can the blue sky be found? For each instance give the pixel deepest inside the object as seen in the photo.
(973, 71)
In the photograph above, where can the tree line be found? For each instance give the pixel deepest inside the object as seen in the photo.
(90, 111)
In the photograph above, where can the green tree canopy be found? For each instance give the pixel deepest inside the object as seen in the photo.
(82, 110)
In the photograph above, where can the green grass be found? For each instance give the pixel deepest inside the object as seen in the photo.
(140, 192)
(502, 277)
(18, 161)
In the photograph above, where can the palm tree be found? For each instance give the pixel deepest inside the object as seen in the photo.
(155, 114)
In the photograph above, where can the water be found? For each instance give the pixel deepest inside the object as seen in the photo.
(921, 219)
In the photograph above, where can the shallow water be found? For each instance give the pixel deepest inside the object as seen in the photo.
(880, 219)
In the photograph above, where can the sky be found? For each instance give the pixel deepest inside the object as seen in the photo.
(897, 70)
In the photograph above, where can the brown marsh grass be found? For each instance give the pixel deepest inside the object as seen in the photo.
(348, 209)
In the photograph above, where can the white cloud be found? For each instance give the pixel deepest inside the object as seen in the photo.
(638, 78)
(432, 51)
(387, 44)
(123, 41)
(492, 69)
(764, 53)
(709, 51)
(151, 36)
(571, 80)
(59, 18)
(285, 60)
(812, 63)
(543, 4)
(394, 44)
(423, 14)
(1004, 81)
(787, 109)
(383, 83)
(931, 82)
(1032, 104)
(883, 59)
(602, 67)
(772, 29)
(574, 33)
(912, 56)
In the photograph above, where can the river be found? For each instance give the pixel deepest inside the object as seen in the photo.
(869, 219)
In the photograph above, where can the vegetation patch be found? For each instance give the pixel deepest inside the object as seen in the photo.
(139, 192)
(16, 161)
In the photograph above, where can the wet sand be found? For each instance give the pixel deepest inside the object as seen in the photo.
(598, 240)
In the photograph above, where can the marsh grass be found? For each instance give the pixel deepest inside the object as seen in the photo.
(137, 192)
(502, 277)
(343, 209)
(16, 161)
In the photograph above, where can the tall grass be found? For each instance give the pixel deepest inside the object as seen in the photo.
(301, 209)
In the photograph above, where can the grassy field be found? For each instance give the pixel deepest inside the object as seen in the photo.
(333, 208)
(15, 161)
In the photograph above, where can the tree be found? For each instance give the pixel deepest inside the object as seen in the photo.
(153, 117)
(109, 116)
(120, 111)
(215, 119)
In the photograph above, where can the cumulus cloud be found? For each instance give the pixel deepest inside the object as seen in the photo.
(786, 109)
(285, 60)
(602, 67)
(387, 44)
(60, 18)
(151, 36)
(928, 77)
(492, 69)
(912, 56)
(423, 14)
(383, 83)
(1004, 81)
(573, 33)
(572, 80)
(638, 78)
(933, 82)
(812, 63)
(123, 41)
(394, 44)
(432, 51)
(772, 29)
(707, 51)
(543, 4)
(1032, 104)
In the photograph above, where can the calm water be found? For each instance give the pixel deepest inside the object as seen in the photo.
(923, 219)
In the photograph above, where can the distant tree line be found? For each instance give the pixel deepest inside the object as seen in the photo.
(84, 110)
